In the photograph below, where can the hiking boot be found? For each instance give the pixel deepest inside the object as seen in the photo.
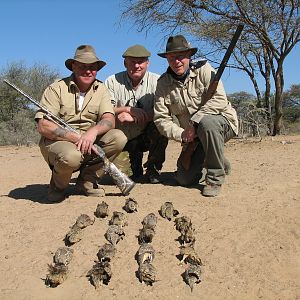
(55, 195)
(227, 166)
(90, 189)
(152, 176)
(211, 190)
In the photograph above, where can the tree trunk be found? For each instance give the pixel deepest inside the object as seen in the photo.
(279, 83)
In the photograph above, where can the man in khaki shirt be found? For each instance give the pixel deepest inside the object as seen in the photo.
(132, 94)
(204, 125)
(84, 103)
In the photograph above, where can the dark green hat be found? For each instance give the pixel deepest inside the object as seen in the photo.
(85, 54)
(177, 43)
(136, 51)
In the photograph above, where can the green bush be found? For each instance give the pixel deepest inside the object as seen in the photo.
(21, 130)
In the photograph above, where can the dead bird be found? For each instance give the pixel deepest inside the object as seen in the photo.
(146, 235)
(191, 275)
(114, 234)
(106, 252)
(100, 274)
(74, 235)
(150, 221)
(102, 210)
(187, 237)
(146, 253)
(118, 218)
(189, 255)
(58, 273)
(167, 211)
(63, 256)
(83, 221)
(130, 205)
(182, 224)
(147, 273)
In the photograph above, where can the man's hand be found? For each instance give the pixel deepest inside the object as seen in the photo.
(125, 117)
(189, 134)
(139, 114)
(86, 141)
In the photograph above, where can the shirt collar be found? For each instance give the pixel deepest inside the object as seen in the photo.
(72, 85)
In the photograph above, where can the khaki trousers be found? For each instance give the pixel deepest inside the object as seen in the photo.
(64, 158)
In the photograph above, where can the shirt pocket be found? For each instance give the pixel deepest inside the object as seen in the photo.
(67, 112)
(92, 113)
(173, 103)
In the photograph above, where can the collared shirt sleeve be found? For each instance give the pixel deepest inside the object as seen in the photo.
(109, 83)
(50, 100)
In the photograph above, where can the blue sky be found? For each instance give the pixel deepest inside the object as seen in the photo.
(49, 31)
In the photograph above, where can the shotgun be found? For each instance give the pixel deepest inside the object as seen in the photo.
(123, 182)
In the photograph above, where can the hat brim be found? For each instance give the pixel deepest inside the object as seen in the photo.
(163, 55)
(68, 63)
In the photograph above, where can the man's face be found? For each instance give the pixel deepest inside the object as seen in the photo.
(136, 67)
(85, 74)
(179, 61)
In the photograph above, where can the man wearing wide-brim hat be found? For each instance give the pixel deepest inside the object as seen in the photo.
(83, 102)
(132, 94)
(204, 124)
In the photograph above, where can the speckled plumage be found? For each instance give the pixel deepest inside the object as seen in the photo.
(102, 210)
(106, 252)
(114, 234)
(167, 211)
(130, 205)
(100, 274)
(147, 273)
(63, 256)
(146, 253)
(118, 218)
(191, 275)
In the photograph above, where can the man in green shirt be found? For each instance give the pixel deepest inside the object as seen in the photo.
(132, 94)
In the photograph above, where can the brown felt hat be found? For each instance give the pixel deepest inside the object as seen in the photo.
(85, 54)
(177, 43)
(136, 51)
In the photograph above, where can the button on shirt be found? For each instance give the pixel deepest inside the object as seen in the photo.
(123, 94)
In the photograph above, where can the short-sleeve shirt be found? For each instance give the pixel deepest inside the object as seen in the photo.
(61, 98)
(123, 94)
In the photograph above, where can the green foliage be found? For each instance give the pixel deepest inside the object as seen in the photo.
(291, 104)
(20, 130)
(17, 125)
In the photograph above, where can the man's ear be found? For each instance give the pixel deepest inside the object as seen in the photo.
(125, 64)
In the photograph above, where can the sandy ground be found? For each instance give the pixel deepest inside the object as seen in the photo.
(248, 238)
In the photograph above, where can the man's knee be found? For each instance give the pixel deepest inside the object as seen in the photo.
(69, 159)
(209, 123)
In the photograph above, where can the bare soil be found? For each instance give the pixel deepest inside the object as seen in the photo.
(248, 237)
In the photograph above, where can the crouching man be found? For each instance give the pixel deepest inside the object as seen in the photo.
(84, 103)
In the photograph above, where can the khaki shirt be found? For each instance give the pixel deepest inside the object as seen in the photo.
(62, 98)
(184, 100)
(123, 94)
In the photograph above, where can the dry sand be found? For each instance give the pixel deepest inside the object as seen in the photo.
(248, 237)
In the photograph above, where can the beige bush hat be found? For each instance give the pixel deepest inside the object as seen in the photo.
(177, 43)
(85, 54)
(136, 51)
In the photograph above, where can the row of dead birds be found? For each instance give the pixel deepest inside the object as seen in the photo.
(101, 272)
